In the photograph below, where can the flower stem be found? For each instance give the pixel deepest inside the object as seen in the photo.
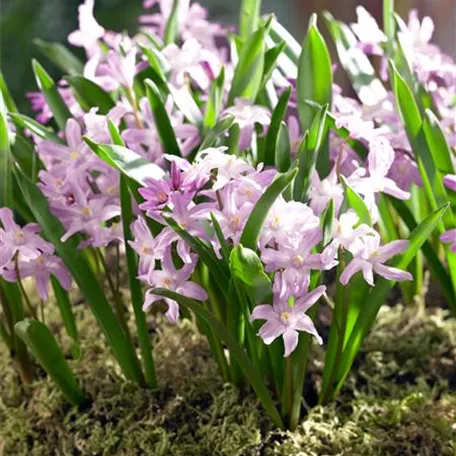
(120, 310)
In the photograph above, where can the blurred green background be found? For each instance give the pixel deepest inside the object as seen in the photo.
(52, 20)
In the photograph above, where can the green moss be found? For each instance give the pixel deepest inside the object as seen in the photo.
(397, 401)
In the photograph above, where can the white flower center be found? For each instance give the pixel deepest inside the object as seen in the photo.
(297, 261)
(285, 317)
(235, 222)
(20, 236)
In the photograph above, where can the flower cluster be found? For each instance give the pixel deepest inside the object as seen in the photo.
(24, 253)
(83, 191)
(228, 187)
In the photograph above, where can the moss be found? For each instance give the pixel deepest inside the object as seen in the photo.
(399, 400)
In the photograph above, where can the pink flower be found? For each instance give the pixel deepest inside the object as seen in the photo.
(323, 191)
(347, 233)
(76, 154)
(122, 68)
(380, 158)
(175, 280)
(146, 246)
(368, 32)
(193, 60)
(284, 319)
(295, 261)
(370, 259)
(228, 166)
(89, 30)
(86, 214)
(41, 269)
(22, 240)
(232, 218)
(246, 115)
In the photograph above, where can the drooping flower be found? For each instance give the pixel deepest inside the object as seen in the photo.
(371, 258)
(283, 319)
(86, 214)
(176, 280)
(15, 239)
(41, 268)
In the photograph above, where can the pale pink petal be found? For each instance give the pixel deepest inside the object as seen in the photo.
(389, 250)
(193, 290)
(263, 312)
(290, 341)
(352, 268)
(304, 303)
(270, 331)
(306, 324)
(390, 273)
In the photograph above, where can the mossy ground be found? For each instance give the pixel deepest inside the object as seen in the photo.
(399, 400)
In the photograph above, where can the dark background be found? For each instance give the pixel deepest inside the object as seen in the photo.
(52, 20)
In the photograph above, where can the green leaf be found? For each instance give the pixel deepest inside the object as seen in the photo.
(247, 268)
(157, 60)
(90, 94)
(432, 258)
(309, 152)
(292, 50)
(126, 161)
(223, 243)
(220, 128)
(314, 83)
(270, 62)
(215, 100)
(249, 17)
(314, 75)
(249, 69)
(164, 128)
(60, 56)
(44, 347)
(273, 131)
(283, 149)
(356, 64)
(53, 98)
(171, 33)
(7, 98)
(389, 25)
(186, 104)
(252, 229)
(36, 128)
(438, 144)
(355, 202)
(135, 286)
(327, 221)
(414, 128)
(24, 154)
(250, 373)
(66, 312)
(90, 288)
(378, 295)
(6, 194)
